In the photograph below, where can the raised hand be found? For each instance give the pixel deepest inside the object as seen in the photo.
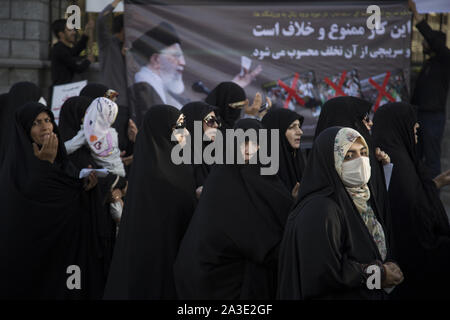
(49, 148)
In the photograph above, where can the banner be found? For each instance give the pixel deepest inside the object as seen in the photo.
(99, 5)
(301, 54)
(63, 92)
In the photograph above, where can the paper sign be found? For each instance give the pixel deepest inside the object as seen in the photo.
(63, 92)
(99, 5)
(100, 172)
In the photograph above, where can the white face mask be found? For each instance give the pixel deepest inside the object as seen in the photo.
(356, 173)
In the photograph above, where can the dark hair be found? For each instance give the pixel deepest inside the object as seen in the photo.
(117, 24)
(59, 26)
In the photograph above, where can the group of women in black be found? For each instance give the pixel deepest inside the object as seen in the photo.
(314, 230)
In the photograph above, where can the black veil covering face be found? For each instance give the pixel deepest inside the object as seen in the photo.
(221, 96)
(349, 112)
(197, 111)
(292, 162)
(19, 94)
(326, 240)
(47, 223)
(230, 249)
(160, 202)
(421, 227)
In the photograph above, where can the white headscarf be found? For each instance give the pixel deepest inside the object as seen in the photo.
(101, 138)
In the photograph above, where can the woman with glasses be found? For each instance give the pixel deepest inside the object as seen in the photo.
(352, 112)
(292, 162)
(159, 205)
(205, 116)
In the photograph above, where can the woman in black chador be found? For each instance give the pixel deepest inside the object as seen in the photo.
(158, 208)
(230, 250)
(292, 162)
(421, 227)
(206, 115)
(48, 233)
(335, 231)
(230, 98)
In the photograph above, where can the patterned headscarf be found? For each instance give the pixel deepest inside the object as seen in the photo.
(99, 117)
(360, 195)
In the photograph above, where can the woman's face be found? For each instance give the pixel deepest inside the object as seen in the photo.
(358, 149)
(367, 122)
(416, 138)
(294, 134)
(210, 125)
(180, 131)
(248, 150)
(42, 128)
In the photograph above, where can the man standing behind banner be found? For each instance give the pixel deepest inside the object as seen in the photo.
(159, 80)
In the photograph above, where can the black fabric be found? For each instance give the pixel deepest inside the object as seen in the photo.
(94, 90)
(197, 111)
(154, 40)
(142, 97)
(221, 96)
(19, 94)
(292, 162)
(230, 249)
(349, 112)
(72, 112)
(431, 87)
(326, 241)
(66, 61)
(421, 227)
(47, 222)
(159, 205)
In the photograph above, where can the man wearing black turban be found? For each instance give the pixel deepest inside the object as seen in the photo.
(159, 80)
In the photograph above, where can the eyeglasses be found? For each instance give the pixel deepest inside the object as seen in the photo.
(179, 125)
(210, 120)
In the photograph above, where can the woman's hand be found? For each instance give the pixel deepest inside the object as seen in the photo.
(198, 192)
(294, 192)
(132, 131)
(394, 276)
(126, 160)
(49, 148)
(382, 156)
(443, 179)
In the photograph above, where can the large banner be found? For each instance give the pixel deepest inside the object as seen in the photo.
(302, 55)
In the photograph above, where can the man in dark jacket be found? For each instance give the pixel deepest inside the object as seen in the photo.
(430, 93)
(65, 53)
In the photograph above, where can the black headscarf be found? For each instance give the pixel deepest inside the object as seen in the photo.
(197, 111)
(94, 90)
(349, 112)
(19, 94)
(421, 227)
(326, 241)
(47, 223)
(231, 246)
(292, 162)
(160, 202)
(221, 96)
(72, 111)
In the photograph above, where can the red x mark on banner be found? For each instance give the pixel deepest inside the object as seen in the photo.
(381, 90)
(292, 91)
(337, 88)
